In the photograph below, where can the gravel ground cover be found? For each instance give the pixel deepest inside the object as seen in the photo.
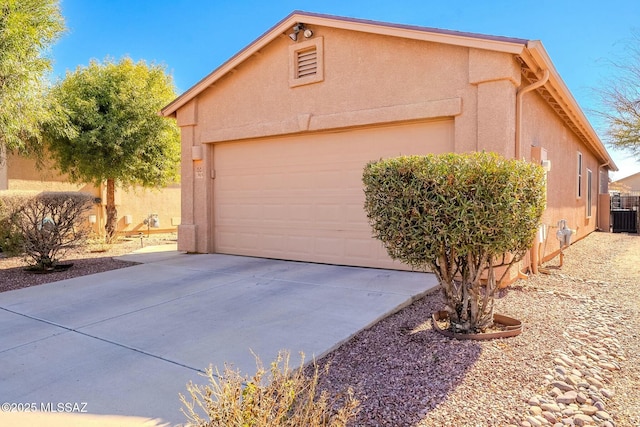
(577, 361)
(406, 374)
(94, 258)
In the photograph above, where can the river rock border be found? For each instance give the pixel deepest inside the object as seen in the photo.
(577, 387)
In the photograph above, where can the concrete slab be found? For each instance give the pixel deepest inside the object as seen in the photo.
(93, 376)
(127, 341)
(152, 254)
(261, 315)
(88, 299)
(61, 419)
(17, 330)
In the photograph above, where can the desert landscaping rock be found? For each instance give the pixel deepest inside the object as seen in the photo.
(606, 393)
(579, 322)
(568, 397)
(549, 416)
(562, 385)
(533, 422)
(596, 356)
(581, 397)
(552, 407)
(582, 420)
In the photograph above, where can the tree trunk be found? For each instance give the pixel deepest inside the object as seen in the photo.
(4, 182)
(112, 212)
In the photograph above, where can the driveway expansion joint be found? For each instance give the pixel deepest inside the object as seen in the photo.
(68, 329)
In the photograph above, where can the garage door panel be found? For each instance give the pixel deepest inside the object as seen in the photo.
(329, 214)
(333, 248)
(301, 197)
(353, 216)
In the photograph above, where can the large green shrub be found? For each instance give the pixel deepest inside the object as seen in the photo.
(44, 226)
(459, 216)
(281, 397)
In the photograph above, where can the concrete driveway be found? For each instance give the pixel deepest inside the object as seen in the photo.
(126, 342)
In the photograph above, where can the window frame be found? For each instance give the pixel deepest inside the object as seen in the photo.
(589, 192)
(579, 176)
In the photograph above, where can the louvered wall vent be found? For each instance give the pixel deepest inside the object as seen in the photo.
(307, 63)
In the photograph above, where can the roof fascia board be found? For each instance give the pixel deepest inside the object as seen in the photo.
(627, 178)
(501, 44)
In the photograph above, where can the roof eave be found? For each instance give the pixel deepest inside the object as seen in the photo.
(538, 59)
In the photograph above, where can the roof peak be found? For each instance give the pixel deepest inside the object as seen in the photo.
(407, 27)
(498, 43)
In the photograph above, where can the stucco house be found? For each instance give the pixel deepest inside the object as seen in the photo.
(274, 141)
(135, 205)
(627, 185)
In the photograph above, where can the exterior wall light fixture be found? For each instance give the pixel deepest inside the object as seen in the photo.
(300, 27)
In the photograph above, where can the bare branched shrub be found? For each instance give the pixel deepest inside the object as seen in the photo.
(280, 397)
(51, 223)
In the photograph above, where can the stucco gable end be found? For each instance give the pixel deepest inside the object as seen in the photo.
(456, 38)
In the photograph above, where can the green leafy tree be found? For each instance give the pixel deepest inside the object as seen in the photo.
(27, 29)
(112, 130)
(460, 216)
(621, 101)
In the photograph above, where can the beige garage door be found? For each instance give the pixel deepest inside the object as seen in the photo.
(301, 198)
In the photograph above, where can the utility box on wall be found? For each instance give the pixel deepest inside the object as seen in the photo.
(539, 156)
(152, 220)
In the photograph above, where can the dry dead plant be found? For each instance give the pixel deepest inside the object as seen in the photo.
(280, 397)
(49, 224)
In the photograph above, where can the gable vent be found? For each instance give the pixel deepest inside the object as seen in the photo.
(307, 63)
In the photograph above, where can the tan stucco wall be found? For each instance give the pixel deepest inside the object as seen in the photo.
(631, 182)
(368, 80)
(258, 94)
(543, 128)
(366, 76)
(22, 174)
(139, 203)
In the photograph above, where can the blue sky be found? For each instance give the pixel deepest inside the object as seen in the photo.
(193, 37)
